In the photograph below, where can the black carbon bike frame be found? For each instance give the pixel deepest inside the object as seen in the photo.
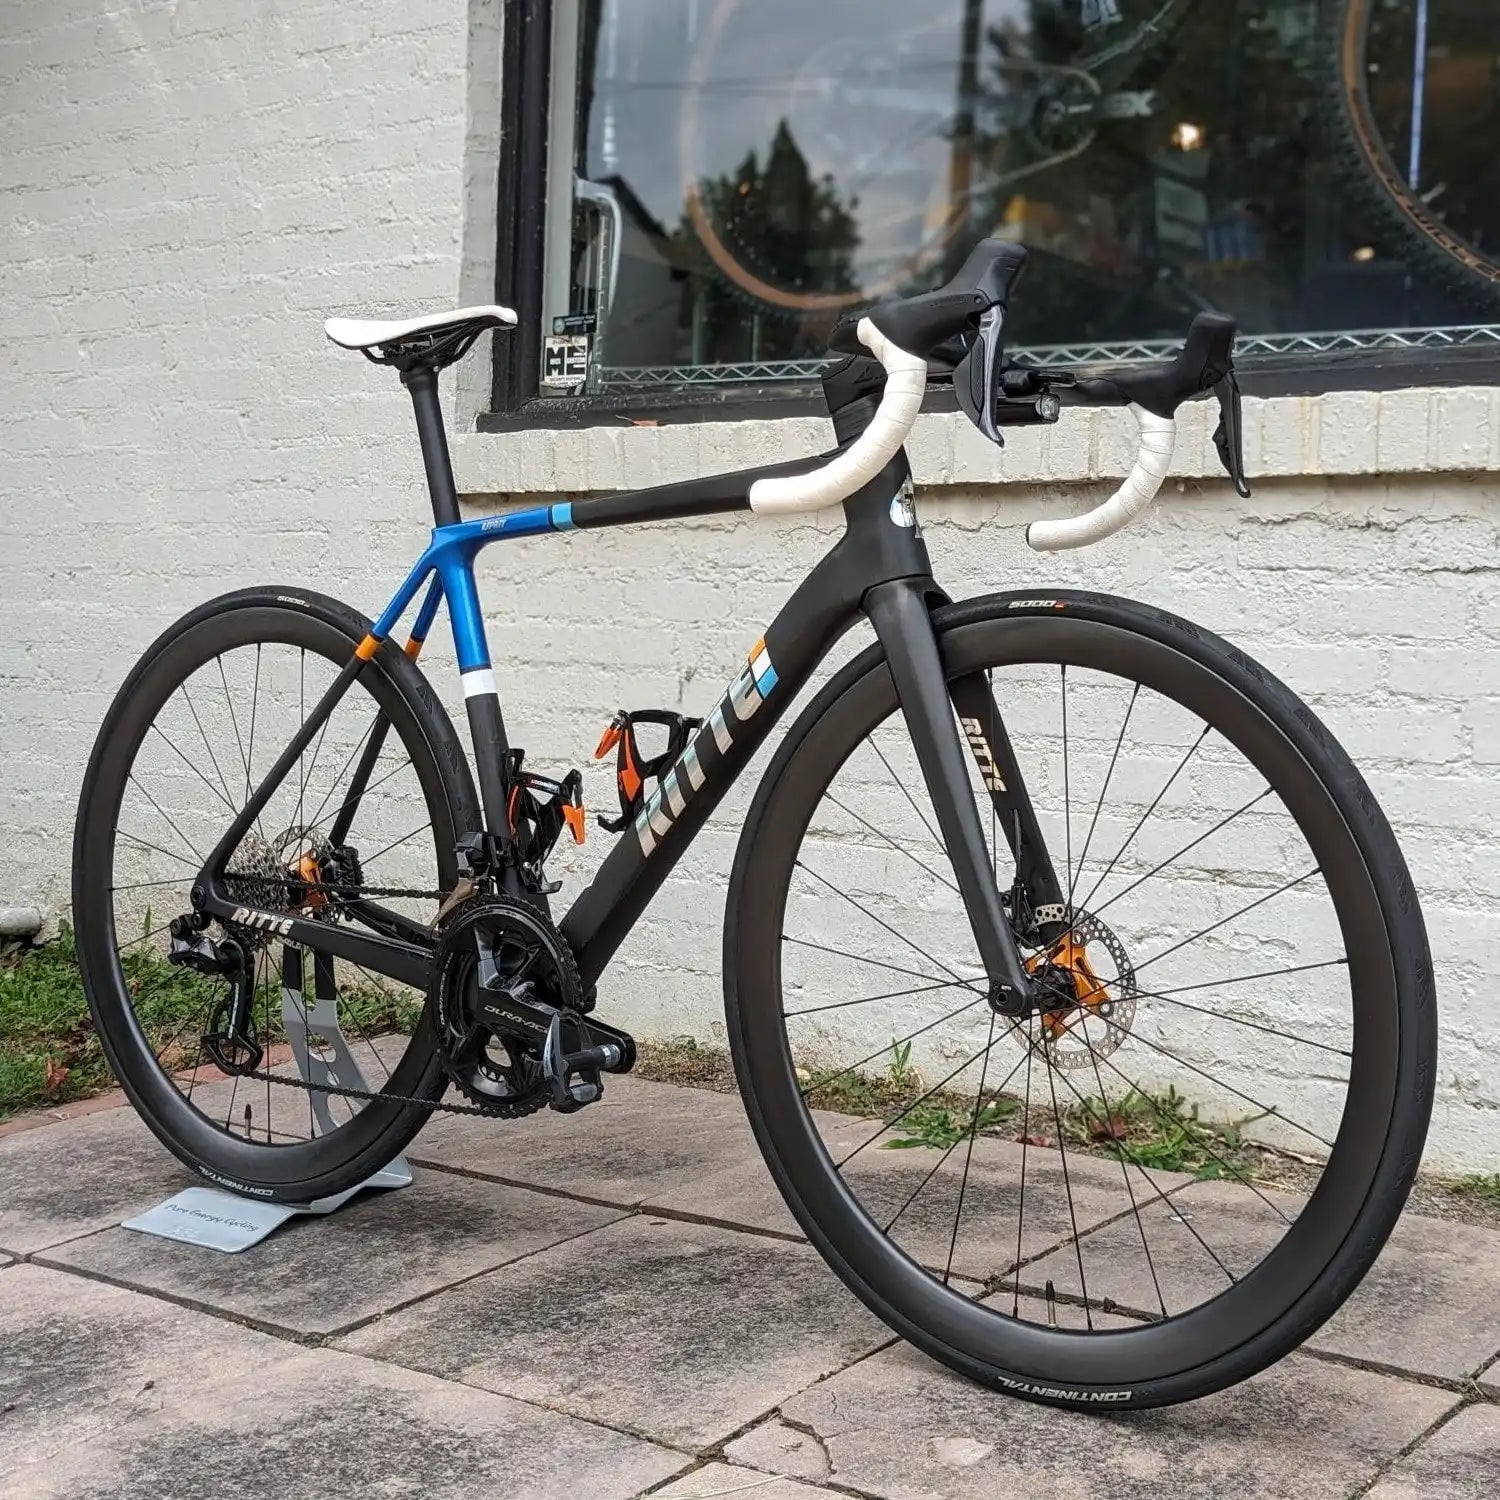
(879, 568)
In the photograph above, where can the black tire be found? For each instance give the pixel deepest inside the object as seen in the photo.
(1431, 245)
(287, 1170)
(1362, 1189)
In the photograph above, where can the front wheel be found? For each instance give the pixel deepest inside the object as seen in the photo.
(1169, 1178)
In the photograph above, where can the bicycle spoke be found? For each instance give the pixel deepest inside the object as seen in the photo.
(822, 1083)
(921, 989)
(1159, 1192)
(396, 844)
(1062, 1149)
(900, 936)
(301, 719)
(1124, 1171)
(873, 962)
(905, 792)
(1223, 1015)
(157, 849)
(916, 1192)
(969, 1153)
(1067, 801)
(365, 793)
(1015, 1310)
(899, 848)
(145, 937)
(1265, 1109)
(1215, 926)
(213, 759)
(942, 1083)
(1077, 874)
(235, 724)
(1155, 803)
(1223, 822)
(359, 745)
(254, 707)
(194, 769)
(165, 817)
(1233, 1173)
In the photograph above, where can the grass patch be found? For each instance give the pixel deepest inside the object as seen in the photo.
(1161, 1132)
(49, 1052)
(1479, 1187)
(683, 1060)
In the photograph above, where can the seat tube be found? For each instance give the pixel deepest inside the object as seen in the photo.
(898, 611)
(481, 696)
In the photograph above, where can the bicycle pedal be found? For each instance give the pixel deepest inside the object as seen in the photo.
(574, 1077)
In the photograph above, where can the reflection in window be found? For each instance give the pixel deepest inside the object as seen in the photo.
(763, 166)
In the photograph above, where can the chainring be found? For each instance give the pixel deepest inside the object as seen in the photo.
(500, 1075)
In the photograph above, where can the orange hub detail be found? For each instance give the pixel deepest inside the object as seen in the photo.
(307, 868)
(1071, 955)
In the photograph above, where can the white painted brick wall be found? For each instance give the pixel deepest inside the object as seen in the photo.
(186, 189)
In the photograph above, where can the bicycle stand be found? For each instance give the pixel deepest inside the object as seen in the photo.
(230, 1222)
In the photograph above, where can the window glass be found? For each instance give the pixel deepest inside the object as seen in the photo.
(749, 170)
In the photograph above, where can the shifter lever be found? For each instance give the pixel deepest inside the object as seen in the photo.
(1229, 435)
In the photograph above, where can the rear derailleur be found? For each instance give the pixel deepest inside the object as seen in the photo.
(230, 1039)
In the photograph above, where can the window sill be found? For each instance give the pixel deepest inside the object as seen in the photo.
(1410, 431)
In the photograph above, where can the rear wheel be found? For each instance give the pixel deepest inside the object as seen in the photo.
(1177, 1170)
(196, 726)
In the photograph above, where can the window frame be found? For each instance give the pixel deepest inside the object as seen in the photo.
(517, 399)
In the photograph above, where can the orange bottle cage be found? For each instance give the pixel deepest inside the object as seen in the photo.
(632, 769)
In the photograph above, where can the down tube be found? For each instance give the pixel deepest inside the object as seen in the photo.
(820, 611)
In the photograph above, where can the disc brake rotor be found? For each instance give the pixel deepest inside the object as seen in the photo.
(1083, 1016)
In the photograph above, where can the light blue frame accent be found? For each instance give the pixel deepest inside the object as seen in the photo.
(449, 561)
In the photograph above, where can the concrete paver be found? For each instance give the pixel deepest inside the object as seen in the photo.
(729, 1479)
(1460, 1461)
(77, 1176)
(897, 1425)
(315, 1275)
(558, 1327)
(916, 1190)
(642, 1139)
(1430, 1305)
(106, 1392)
(680, 1332)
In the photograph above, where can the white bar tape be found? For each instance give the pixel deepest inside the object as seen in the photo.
(1158, 438)
(872, 450)
(481, 680)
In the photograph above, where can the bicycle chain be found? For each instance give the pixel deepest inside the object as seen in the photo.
(339, 1091)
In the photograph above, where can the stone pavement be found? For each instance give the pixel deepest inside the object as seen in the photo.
(616, 1304)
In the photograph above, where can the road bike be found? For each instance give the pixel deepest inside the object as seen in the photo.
(1076, 988)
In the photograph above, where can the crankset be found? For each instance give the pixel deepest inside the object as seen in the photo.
(507, 1003)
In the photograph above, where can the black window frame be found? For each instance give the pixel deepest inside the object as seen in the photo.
(517, 400)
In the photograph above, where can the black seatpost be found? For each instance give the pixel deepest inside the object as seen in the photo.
(421, 381)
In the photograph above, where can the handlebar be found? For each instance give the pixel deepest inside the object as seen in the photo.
(1153, 396)
(961, 325)
(901, 334)
(871, 451)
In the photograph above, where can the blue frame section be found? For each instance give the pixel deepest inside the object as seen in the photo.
(450, 557)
